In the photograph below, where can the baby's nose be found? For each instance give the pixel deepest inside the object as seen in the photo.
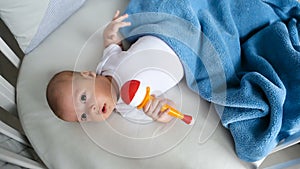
(93, 108)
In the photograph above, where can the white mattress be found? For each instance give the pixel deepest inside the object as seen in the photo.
(116, 143)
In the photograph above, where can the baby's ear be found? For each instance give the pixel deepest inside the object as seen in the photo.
(88, 74)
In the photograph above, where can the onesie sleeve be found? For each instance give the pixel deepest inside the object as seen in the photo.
(112, 49)
(108, 52)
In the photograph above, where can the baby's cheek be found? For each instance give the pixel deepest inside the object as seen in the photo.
(110, 111)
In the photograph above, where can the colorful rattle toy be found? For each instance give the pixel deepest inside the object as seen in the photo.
(136, 95)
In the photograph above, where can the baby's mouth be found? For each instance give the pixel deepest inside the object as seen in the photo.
(104, 108)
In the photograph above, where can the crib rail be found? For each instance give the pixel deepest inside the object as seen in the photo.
(11, 155)
(289, 141)
(7, 96)
(13, 133)
(19, 160)
(5, 49)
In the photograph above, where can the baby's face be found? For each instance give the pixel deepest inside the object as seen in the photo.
(94, 97)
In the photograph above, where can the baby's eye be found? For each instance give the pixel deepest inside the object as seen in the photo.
(83, 98)
(83, 117)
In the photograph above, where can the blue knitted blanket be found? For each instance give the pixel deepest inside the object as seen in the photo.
(240, 55)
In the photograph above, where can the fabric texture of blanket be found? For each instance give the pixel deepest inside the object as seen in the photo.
(240, 55)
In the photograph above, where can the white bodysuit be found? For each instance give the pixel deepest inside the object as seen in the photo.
(149, 60)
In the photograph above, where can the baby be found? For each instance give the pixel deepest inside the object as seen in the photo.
(87, 96)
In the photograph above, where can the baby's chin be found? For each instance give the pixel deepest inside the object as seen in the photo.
(106, 115)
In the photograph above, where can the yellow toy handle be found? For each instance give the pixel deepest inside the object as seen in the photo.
(146, 98)
(172, 112)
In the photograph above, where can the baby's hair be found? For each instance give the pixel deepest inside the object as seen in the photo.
(54, 90)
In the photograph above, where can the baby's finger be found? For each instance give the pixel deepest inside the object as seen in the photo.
(164, 117)
(157, 110)
(116, 15)
(147, 106)
(121, 18)
(119, 25)
(154, 103)
(123, 24)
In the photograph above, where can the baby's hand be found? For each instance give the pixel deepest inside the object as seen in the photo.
(111, 32)
(153, 109)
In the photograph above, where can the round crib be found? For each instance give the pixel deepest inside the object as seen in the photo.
(116, 143)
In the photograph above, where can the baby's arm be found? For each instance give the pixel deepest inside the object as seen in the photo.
(153, 109)
(111, 32)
